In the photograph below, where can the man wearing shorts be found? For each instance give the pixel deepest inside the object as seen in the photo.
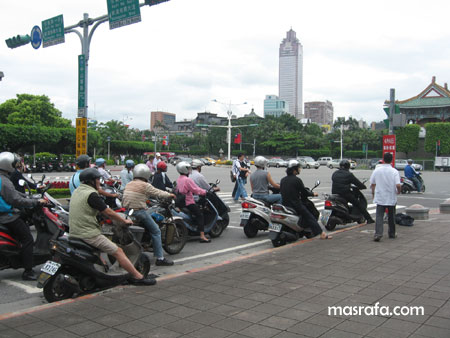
(85, 205)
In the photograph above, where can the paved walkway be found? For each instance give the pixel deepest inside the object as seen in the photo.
(280, 293)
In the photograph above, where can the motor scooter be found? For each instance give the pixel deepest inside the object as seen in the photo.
(337, 210)
(77, 268)
(255, 215)
(48, 227)
(408, 185)
(286, 225)
(222, 208)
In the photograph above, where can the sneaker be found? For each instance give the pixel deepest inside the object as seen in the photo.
(143, 281)
(377, 238)
(393, 236)
(29, 275)
(164, 262)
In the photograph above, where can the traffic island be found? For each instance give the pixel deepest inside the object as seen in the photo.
(444, 207)
(418, 212)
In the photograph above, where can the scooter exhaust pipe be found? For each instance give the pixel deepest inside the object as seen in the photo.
(71, 282)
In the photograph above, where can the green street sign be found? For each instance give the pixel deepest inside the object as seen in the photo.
(123, 12)
(82, 86)
(53, 31)
(396, 109)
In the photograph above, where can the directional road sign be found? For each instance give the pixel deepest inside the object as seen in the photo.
(53, 31)
(123, 12)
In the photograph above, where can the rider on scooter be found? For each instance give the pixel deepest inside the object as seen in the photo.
(260, 180)
(187, 187)
(10, 198)
(412, 174)
(293, 192)
(160, 180)
(85, 205)
(135, 197)
(342, 180)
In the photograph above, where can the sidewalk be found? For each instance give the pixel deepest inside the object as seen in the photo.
(280, 293)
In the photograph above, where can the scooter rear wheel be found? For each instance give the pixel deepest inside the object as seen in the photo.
(143, 264)
(332, 222)
(179, 238)
(56, 289)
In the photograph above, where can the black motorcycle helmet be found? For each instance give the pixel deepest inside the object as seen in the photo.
(88, 176)
(83, 161)
(344, 164)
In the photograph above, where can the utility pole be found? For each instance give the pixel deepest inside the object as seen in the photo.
(391, 111)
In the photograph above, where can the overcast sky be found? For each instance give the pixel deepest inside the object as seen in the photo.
(185, 53)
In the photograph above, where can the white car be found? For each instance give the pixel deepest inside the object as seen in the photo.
(401, 164)
(335, 163)
(324, 160)
(308, 162)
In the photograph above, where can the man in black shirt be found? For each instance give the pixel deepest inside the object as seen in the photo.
(293, 192)
(342, 181)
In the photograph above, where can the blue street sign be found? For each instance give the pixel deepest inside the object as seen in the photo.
(36, 37)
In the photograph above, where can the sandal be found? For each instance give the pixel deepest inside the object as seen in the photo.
(326, 237)
(205, 240)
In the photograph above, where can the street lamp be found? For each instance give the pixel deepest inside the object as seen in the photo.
(340, 140)
(109, 143)
(229, 126)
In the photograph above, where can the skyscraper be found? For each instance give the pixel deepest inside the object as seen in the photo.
(290, 79)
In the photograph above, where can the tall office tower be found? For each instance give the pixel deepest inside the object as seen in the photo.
(273, 106)
(290, 79)
(166, 118)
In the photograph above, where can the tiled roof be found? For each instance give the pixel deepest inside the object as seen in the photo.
(426, 102)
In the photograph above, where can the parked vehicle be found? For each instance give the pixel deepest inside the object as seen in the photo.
(308, 162)
(335, 163)
(48, 227)
(338, 212)
(408, 185)
(78, 268)
(277, 162)
(442, 163)
(401, 164)
(324, 160)
(287, 226)
(373, 162)
(255, 215)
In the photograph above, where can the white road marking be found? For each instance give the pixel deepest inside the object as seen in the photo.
(244, 246)
(26, 288)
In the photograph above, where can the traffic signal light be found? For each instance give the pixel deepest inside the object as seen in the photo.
(165, 141)
(18, 41)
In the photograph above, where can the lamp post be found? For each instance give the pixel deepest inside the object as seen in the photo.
(109, 143)
(340, 141)
(229, 126)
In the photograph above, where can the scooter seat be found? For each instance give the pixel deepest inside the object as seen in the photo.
(80, 244)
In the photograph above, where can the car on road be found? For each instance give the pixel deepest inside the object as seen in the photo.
(308, 162)
(324, 160)
(401, 164)
(373, 162)
(277, 162)
(205, 161)
(335, 163)
(179, 159)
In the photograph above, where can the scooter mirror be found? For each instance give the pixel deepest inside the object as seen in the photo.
(131, 212)
(22, 182)
(217, 181)
(317, 183)
(102, 181)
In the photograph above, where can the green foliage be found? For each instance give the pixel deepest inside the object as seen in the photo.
(57, 193)
(32, 110)
(407, 138)
(439, 131)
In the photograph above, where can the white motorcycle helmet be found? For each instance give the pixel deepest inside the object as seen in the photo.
(183, 168)
(8, 161)
(261, 161)
(142, 171)
(293, 164)
(196, 163)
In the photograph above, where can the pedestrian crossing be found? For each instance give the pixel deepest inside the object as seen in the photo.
(318, 202)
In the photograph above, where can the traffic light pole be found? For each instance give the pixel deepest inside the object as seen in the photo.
(391, 111)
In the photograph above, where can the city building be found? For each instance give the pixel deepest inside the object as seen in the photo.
(273, 106)
(319, 112)
(187, 127)
(290, 78)
(168, 119)
(430, 105)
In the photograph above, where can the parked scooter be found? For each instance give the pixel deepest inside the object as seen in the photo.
(255, 215)
(78, 268)
(408, 185)
(48, 227)
(174, 233)
(337, 211)
(287, 226)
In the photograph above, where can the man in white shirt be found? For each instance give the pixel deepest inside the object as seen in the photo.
(385, 184)
(156, 160)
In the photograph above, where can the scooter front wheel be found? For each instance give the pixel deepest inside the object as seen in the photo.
(175, 242)
(56, 289)
(216, 230)
(332, 222)
(143, 264)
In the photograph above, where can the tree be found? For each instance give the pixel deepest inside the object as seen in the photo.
(439, 131)
(407, 138)
(31, 110)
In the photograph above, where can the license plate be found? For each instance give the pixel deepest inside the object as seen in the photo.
(324, 216)
(245, 215)
(50, 267)
(275, 227)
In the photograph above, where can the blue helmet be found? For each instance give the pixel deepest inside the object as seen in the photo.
(99, 161)
(129, 163)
